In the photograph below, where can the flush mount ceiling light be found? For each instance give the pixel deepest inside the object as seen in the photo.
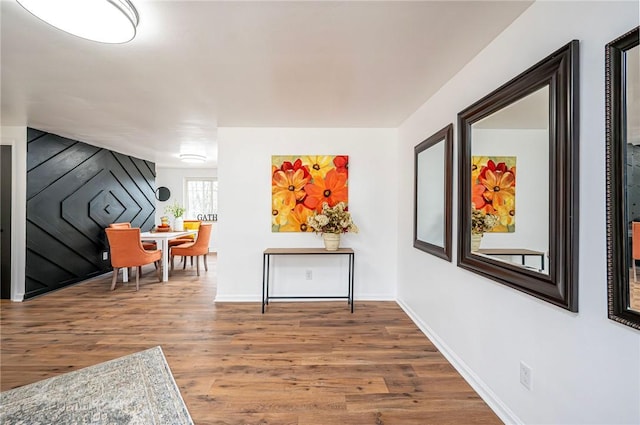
(106, 21)
(192, 157)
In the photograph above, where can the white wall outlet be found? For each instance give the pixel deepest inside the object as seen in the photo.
(105, 255)
(526, 378)
(308, 275)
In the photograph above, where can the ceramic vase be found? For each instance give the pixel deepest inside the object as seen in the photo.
(331, 241)
(476, 238)
(178, 224)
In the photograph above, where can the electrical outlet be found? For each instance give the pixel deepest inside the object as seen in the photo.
(105, 255)
(526, 378)
(308, 275)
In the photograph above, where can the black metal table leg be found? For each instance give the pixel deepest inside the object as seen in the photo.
(266, 295)
(352, 260)
(265, 279)
(264, 265)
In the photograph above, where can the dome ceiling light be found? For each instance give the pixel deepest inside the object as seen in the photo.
(192, 157)
(106, 21)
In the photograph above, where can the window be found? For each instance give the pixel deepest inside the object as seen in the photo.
(201, 199)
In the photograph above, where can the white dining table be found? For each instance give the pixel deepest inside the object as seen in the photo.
(162, 240)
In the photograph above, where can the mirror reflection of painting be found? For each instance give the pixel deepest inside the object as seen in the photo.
(519, 132)
(632, 118)
(493, 190)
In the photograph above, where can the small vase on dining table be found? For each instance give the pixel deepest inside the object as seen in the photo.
(178, 224)
(331, 241)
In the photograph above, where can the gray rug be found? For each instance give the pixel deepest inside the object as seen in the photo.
(135, 389)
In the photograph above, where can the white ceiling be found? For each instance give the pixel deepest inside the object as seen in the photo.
(195, 66)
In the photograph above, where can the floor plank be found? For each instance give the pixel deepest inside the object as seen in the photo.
(300, 363)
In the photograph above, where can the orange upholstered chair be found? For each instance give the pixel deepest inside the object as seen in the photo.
(127, 251)
(635, 246)
(123, 225)
(195, 249)
(188, 225)
(127, 225)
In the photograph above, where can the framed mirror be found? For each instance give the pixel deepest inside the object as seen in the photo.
(163, 193)
(622, 68)
(518, 168)
(433, 164)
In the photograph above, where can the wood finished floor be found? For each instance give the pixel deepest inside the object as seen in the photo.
(300, 363)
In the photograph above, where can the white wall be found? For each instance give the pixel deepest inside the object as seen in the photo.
(586, 368)
(17, 138)
(173, 179)
(245, 205)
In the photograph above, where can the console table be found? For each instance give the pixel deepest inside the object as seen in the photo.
(266, 264)
(514, 251)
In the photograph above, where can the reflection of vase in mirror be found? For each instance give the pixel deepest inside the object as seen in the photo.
(515, 135)
(632, 118)
(476, 239)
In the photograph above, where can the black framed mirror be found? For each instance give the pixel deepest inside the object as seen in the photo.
(518, 168)
(163, 193)
(622, 70)
(433, 165)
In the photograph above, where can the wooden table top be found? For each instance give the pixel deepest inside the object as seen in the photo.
(509, 251)
(303, 251)
(166, 235)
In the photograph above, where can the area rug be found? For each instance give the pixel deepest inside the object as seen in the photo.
(135, 389)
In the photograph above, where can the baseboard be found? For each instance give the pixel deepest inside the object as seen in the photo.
(236, 299)
(483, 390)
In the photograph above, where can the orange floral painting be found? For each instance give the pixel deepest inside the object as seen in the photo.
(301, 184)
(493, 189)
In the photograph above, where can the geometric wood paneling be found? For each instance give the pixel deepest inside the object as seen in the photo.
(74, 191)
(5, 220)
